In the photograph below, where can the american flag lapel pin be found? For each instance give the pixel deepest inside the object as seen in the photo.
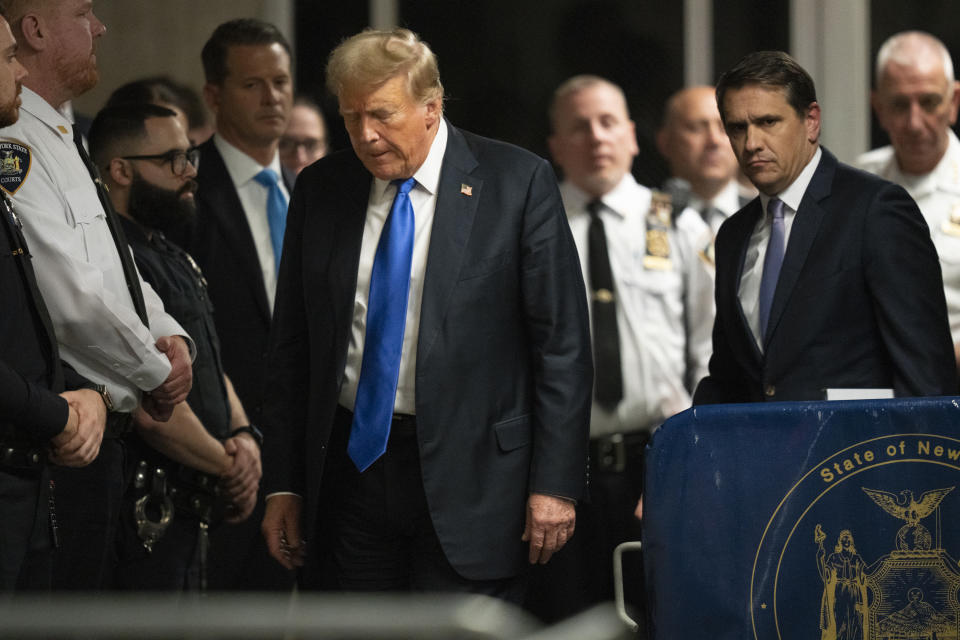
(466, 189)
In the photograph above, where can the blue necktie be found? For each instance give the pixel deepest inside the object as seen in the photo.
(276, 211)
(383, 344)
(772, 263)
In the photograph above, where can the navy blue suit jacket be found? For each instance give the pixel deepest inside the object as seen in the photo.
(859, 302)
(222, 244)
(504, 372)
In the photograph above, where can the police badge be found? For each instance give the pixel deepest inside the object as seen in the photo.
(14, 165)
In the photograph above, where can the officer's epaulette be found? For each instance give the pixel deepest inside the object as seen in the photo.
(661, 208)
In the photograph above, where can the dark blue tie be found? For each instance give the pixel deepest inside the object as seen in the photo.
(383, 344)
(772, 263)
(276, 211)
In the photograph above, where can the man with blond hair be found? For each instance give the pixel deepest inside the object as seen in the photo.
(430, 371)
(916, 99)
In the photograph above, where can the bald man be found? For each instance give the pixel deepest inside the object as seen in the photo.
(704, 169)
(916, 99)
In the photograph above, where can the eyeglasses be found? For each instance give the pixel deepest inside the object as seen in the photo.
(178, 159)
(309, 145)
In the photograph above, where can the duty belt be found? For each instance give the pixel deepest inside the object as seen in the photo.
(615, 452)
(21, 455)
(175, 489)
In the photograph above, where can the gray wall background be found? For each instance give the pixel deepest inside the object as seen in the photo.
(149, 37)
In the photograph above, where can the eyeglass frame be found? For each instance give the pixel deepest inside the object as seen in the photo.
(191, 155)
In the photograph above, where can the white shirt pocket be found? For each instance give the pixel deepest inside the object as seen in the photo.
(91, 224)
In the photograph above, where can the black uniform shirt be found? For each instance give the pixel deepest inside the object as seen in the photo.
(30, 370)
(180, 284)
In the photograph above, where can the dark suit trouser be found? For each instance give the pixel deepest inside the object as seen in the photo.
(25, 545)
(239, 559)
(88, 512)
(581, 574)
(383, 536)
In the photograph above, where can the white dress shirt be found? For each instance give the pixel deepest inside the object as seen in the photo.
(938, 196)
(749, 293)
(253, 198)
(78, 269)
(423, 196)
(664, 315)
(722, 206)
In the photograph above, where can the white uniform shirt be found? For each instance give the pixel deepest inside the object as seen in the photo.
(699, 232)
(253, 198)
(938, 196)
(664, 344)
(752, 275)
(78, 269)
(423, 197)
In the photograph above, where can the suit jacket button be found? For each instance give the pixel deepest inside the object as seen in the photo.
(769, 390)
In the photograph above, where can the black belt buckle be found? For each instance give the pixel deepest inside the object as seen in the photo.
(610, 453)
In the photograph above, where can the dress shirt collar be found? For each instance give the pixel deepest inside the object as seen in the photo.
(241, 167)
(792, 195)
(32, 103)
(944, 176)
(727, 201)
(428, 175)
(621, 200)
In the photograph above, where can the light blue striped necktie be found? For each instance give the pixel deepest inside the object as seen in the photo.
(383, 343)
(276, 211)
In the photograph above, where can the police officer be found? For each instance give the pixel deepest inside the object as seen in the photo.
(36, 415)
(149, 168)
(649, 349)
(109, 325)
(703, 168)
(916, 99)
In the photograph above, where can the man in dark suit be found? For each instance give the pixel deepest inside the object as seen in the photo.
(36, 414)
(838, 285)
(241, 212)
(430, 370)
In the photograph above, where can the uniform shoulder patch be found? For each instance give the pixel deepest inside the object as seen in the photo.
(14, 165)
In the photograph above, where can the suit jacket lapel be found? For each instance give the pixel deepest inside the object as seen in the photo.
(804, 231)
(350, 210)
(452, 223)
(216, 188)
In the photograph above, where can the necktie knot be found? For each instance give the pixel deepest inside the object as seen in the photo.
(594, 207)
(404, 186)
(775, 208)
(267, 177)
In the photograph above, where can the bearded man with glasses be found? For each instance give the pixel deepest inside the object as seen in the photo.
(203, 465)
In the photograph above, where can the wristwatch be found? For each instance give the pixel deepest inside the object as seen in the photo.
(105, 395)
(255, 433)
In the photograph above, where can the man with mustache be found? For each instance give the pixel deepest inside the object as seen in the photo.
(110, 326)
(241, 215)
(38, 418)
(149, 168)
(829, 278)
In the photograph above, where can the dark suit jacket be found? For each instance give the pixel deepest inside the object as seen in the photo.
(31, 374)
(222, 244)
(504, 373)
(859, 303)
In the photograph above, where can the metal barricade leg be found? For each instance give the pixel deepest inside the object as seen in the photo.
(618, 581)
